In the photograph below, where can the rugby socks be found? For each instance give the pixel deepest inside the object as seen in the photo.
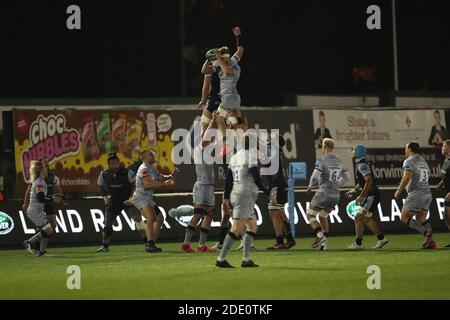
(227, 244)
(427, 226)
(380, 236)
(248, 240)
(44, 243)
(326, 234)
(413, 224)
(189, 232)
(203, 236)
(37, 237)
(223, 234)
(279, 239)
(359, 241)
(288, 234)
(319, 232)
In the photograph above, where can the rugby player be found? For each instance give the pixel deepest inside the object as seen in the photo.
(35, 210)
(149, 179)
(416, 173)
(367, 200)
(242, 186)
(116, 185)
(202, 194)
(329, 174)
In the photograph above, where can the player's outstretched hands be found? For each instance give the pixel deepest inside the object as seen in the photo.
(237, 31)
(398, 194)
(350, 194)
(201, 104)
(24, 207)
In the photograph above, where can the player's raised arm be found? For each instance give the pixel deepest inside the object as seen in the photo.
(239, 43)
(207, 67)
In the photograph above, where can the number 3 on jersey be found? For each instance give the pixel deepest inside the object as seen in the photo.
(424, 174)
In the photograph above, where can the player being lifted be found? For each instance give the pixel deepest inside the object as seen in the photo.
(278, 198)
(416, 173)
(242, 186)
(329, 174)
(149, 179)
(229, 75)
(367, 200)
(202, 193)
(116, 184)
(210, 100)
(445, 182)
(35, 210)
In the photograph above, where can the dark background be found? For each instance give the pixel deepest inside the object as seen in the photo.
(132, 48)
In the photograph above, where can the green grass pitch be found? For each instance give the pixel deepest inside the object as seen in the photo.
(126, 272)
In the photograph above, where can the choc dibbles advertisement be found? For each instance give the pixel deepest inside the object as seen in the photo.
(385, 134)
(77, 142)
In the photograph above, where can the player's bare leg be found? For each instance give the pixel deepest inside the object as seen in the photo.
(204, 231)
(149, 214)
(140, 226)
(159, 220)
(206, 119)
(316, 226)
(323, 218)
